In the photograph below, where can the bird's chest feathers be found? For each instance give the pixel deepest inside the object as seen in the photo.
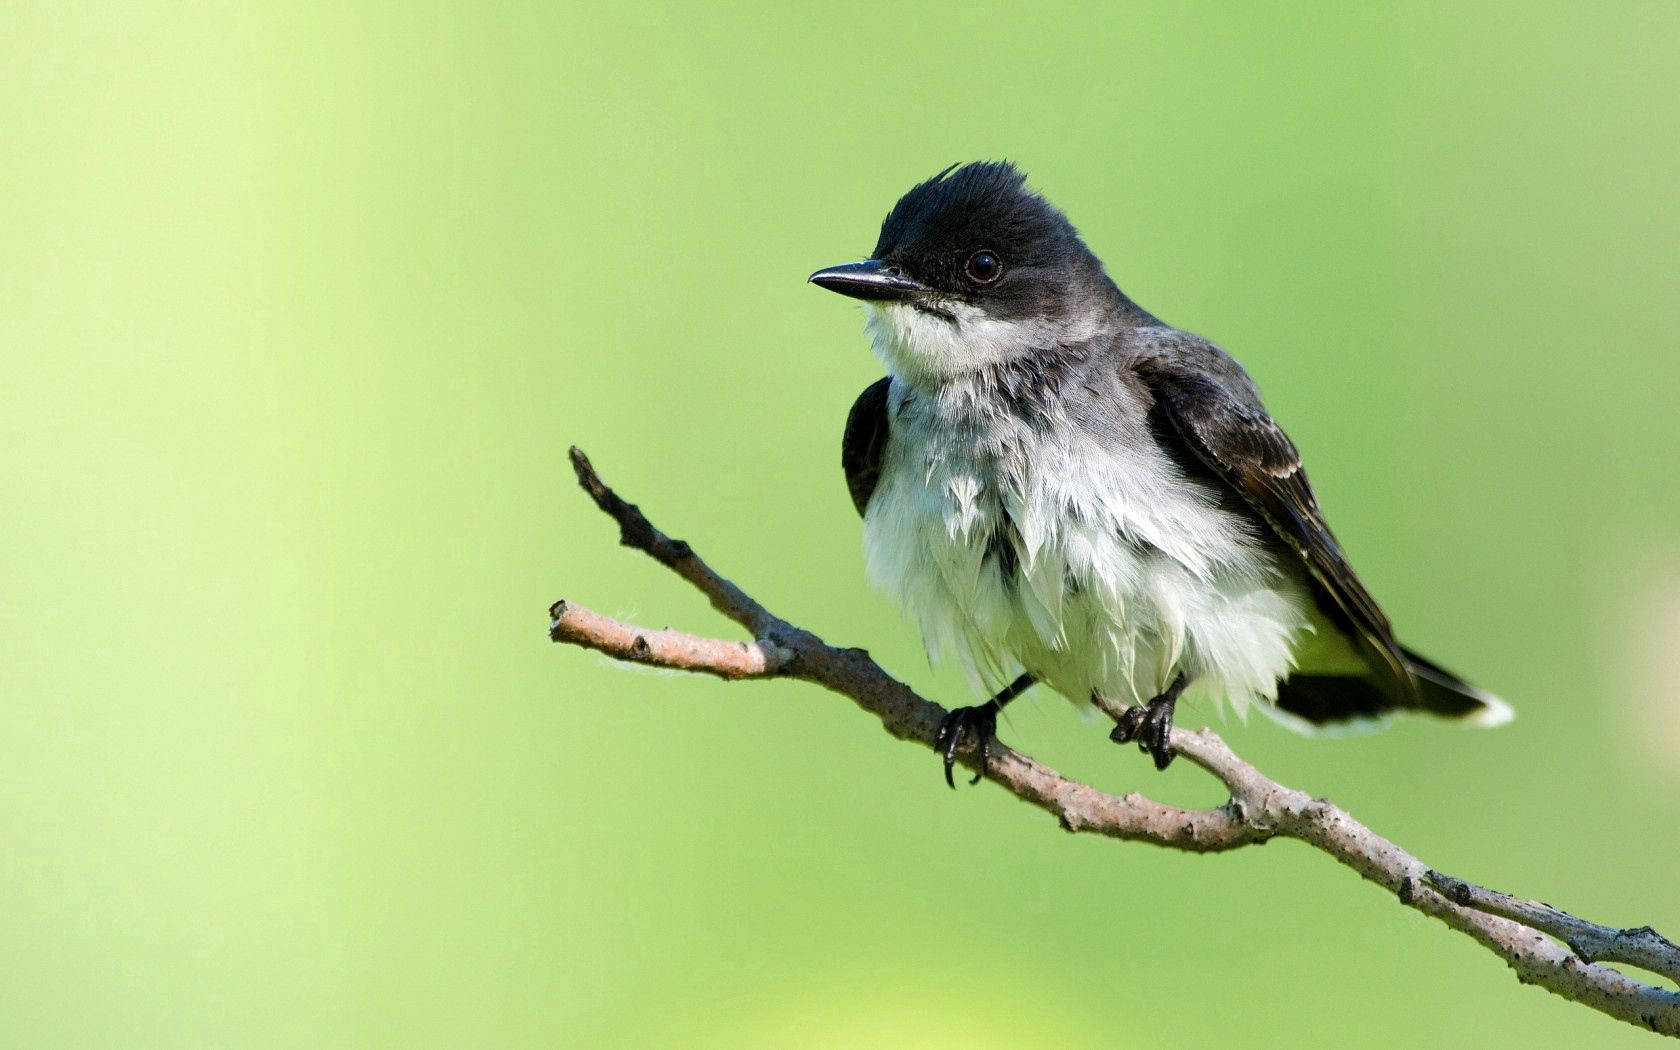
(987, 497)
(1084, 558)
(973, 510)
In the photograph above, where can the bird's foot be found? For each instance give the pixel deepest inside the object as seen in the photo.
(1151, 725)
(980, 721)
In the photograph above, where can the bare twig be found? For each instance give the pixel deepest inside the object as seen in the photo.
(673, 649)
(1259, 808)
(1639, 946)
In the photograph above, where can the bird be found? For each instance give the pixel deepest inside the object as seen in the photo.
(1058, 487)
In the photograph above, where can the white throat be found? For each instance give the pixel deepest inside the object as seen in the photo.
(926, 349)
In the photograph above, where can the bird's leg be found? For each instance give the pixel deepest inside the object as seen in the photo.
(1151, 724)
(981, 721)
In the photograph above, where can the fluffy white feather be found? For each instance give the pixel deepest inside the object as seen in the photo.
(1125, 572)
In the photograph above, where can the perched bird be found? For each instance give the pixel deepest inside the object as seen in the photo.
(1059, 487)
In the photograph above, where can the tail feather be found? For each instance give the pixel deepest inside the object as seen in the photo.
(1314, 702)
(1440, 692)
(1331, 699)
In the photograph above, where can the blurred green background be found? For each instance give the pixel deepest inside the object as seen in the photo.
(299, 309)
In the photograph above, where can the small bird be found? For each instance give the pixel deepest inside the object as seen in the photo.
(1058, 487)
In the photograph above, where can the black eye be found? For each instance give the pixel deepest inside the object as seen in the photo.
(984, 268)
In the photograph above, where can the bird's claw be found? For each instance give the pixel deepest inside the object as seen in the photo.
(1151, 726)
(982, 722)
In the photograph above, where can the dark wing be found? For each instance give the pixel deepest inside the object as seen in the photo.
(865, 442)
(1214, 408)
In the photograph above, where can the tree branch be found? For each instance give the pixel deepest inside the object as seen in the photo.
(1259, 808)
(1639, 946)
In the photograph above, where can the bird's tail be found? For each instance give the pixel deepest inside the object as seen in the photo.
(1440, 692)
(1316, 703)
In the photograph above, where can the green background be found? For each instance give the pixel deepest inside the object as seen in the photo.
(300, 308)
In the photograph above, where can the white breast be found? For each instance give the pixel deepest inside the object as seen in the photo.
(1124, 573)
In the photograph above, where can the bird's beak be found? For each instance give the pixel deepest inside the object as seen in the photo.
(872, 281)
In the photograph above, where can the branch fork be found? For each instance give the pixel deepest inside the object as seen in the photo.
(1568, 961)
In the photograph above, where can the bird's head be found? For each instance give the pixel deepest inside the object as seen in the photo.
(972, 268)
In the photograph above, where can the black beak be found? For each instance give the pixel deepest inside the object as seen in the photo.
(873, 281)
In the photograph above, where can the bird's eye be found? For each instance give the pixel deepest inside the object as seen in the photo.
(984, 268)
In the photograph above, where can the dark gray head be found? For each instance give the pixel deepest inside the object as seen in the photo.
(971, 267)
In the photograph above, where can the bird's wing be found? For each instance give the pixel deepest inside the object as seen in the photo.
(864, 442)
(1210, 403)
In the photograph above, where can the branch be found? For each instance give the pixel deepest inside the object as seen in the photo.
(1639, 946)
(1259, 808)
